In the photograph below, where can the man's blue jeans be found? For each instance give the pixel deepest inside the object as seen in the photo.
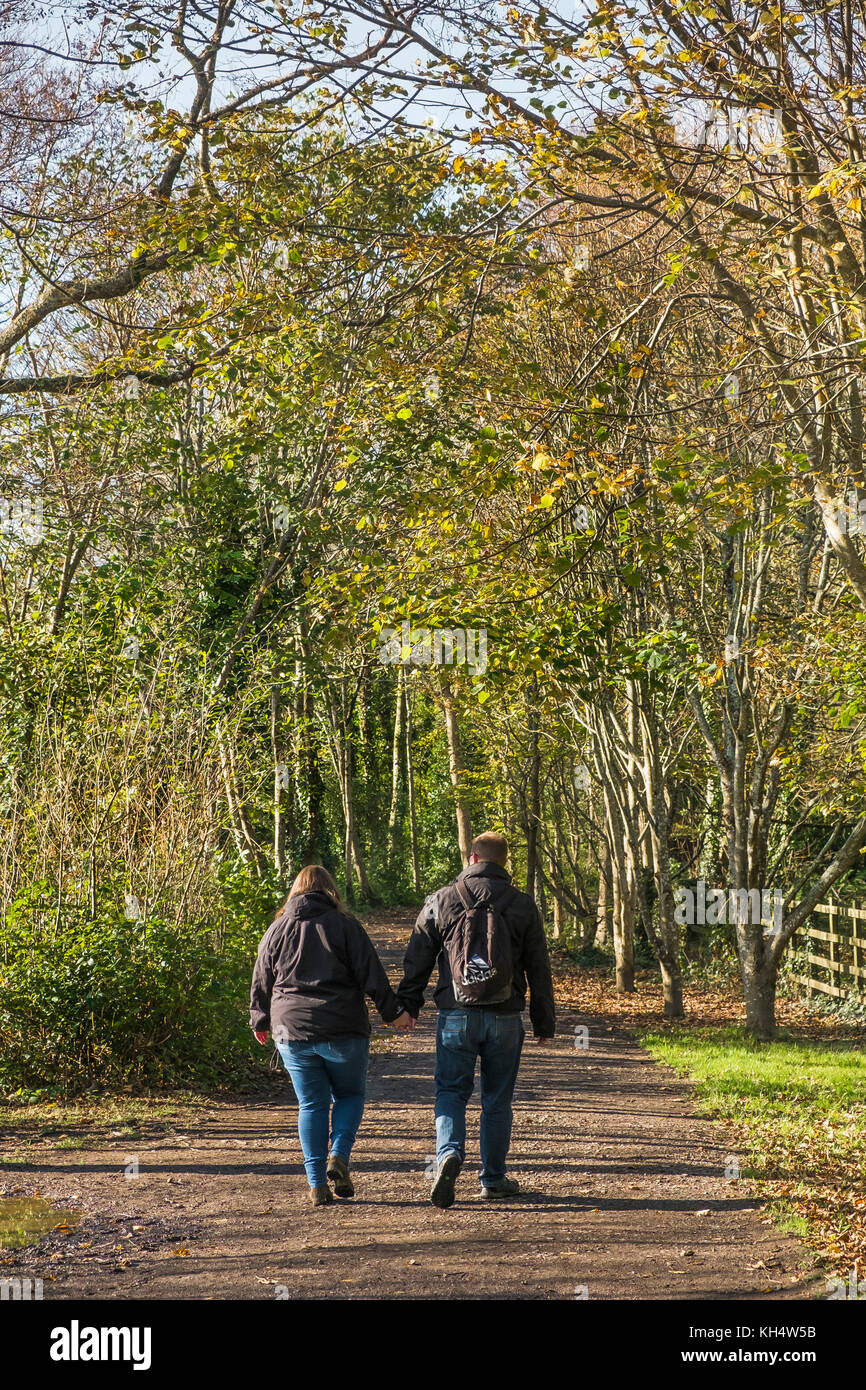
(323, 1073)
(463, 1035)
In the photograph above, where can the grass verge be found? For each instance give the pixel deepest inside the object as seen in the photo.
(797, 1107)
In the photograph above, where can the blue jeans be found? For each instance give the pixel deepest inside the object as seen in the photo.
(322, 1073)
(463, 1035)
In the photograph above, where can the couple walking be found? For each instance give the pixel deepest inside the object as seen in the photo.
(314, 967)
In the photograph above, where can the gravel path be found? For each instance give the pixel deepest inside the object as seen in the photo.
(624, 1194)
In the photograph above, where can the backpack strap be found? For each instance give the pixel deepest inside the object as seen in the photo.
(465, 896)
(502, 901)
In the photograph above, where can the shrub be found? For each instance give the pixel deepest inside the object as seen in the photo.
(119, 1002)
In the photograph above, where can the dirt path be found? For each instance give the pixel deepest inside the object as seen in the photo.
(624, 1195)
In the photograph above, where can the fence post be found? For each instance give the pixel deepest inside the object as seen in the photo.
(855, 942)
(832, 916)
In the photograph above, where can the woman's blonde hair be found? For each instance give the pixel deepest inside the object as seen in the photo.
(313, 878)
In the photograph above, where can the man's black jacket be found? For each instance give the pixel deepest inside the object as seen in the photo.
(529, 950)
(314, 966)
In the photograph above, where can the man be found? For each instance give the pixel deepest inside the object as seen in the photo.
(467, 1030)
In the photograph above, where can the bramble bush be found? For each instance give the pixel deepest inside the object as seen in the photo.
(111, 1002)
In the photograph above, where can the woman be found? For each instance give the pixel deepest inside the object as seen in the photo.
(314, 966)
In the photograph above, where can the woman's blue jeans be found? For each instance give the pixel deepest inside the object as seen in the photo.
(326, 1073)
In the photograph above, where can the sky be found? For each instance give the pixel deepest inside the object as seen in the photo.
(61, 23)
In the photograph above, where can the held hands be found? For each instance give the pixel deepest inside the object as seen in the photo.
(404, 1023)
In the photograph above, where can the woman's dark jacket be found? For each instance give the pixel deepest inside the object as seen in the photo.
(313, 968)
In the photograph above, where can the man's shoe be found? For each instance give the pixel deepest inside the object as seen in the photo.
(509, 1187)
(338, 1172)
(321, 1196)
(442, 1191)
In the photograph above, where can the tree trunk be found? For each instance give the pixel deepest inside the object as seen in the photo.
(672, 987)
(540, 897)
(361, 866)
(309, 779)
(759, 994)
(457, 769)
(623, 942)
(534, 814)
(558, 915)
(353, 853)
(623, 920)
(603, 907)
(711, 827)
(410, 783)
(281, 787)
(667, 938)
(349, 832)
(396, 761)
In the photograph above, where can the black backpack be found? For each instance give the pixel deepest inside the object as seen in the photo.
(478, 946)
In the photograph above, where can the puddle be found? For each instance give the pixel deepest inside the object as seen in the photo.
(24, 1219)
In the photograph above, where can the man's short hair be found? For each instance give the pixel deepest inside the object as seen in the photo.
(490, 846)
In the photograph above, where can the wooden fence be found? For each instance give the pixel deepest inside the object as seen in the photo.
(833, 959)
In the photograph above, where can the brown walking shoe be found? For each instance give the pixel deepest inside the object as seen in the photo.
(338, 1172)
(509, 1187)
(321, 1196)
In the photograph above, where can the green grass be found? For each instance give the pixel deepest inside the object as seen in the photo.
(798, 1108)
(732, 1070)
(791, 1224)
